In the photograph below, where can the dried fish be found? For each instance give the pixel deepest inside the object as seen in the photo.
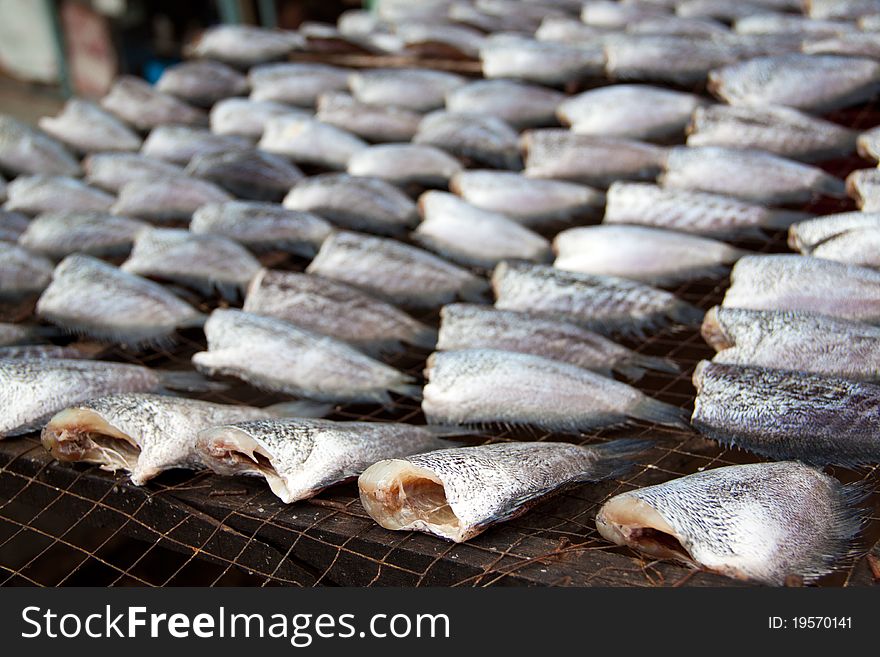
(805, 236)
(669, 25)
(856, 247)
(12, 335)
(248, 174)
(202, 82)
(762, 521)
(564, 29)
(863, 186)
(296, 83)
(718, 9)
(777, 23)
(179, 144)
(403, 164)
(274, 355)
(87, 128)
(26, 150)
(519, 105)
(378, 123)
(420, 90)
(12, 225)
(111, 171)
(140, 105)
(400, 273)
(544, 62)
(247, 118)
(164, 199)
(457, 494)
(617, 15)
(840, 9)
(309, 141)
(47, 351)
(43, 193)
(22, 273)
(483, 139)
(58, 234)
(853, 44)
(868, 144)
(245, 45)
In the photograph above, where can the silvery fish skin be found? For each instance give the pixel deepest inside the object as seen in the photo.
(137, 103)
(111, 171)
(618, 111)
(458, 493)
(43, 193)
(32, 390)
(274, 355)
(87, 128)
(354, 202)
(299, 458)
(776, 23)
(203, 262)
(840, 9)
(805, 236)
(603, 303)
(47, 351)
(178, 144)
(490, 386)
(794, 340)
(472, 326)
(610, 14)
(669, 25)
(717, 9)
(21, 334)
(22, 272)
(377, 123)
(244, 117)
(483, 139)
(814, 83)
(144, 434)
(12, 225)
(762, 521)
(431, 37)
(309, 141)
(869, 22)
(533, 202)
(863, 186)
(783, 414)
(420, 90)
(520, 105)
(262, 226)
(781, 130)
(589, 159)
(331, 308)
(651, 255)
(852, 44)
(26, 150)
(794, 282)
(58, 234)
(868, 144)
(245, 45)
(751, 175)
(699, 213)
(296, 83)
(472, 236)
(856, 247)
(397, 272)
(202, 82)
(403, 164)
(163, 199)
(248, 174)
(564, 29)
(90, 297)
(543, 62)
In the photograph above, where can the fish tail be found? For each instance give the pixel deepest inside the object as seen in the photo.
(474, 289)
(196, 321)
(832, 186)
(686, 314)
(411, 390)
(636, 364)
(783, 219)
(300, 408)
(654, 410)
(185, 381)
(615, 458)
(423, 336)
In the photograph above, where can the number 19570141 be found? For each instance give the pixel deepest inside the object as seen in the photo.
(810, 623)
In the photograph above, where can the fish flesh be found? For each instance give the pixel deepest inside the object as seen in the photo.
(325, 306)
(44, 193)
(814, 83)
(806, 236)
(863, 186)
(490, 386)
(751, 175)
(262, 226)
(533, 202)
(58, 234)
(458, 493)
(274, 355)
(603, 303)
(203, 262)
(403, 164)
(472, 326)
(618, 111)
(301, 457)
(419, 90)
(87, 128)
(397, 272)
(761, 521)
(795, 282)
(794, 340)
(244, 117)
(12, 225)
(111, 171)
(22, 273)
(589, 159)
(856, 247)
(162, 199)
(868, 144)
(687, 211)
(472, 236)
(202, 82)
(783, 414)
(179, 144)
(143, 107)
(376, 123)
(482, 139)
(518, 104)
(640, 253)
(26, 150)
(354, 202)
(248, 174)
(295, 83)
(780, 130)
(90, 297)
(544, 62)
(141, 433)
(245, 45)
(309, 141)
